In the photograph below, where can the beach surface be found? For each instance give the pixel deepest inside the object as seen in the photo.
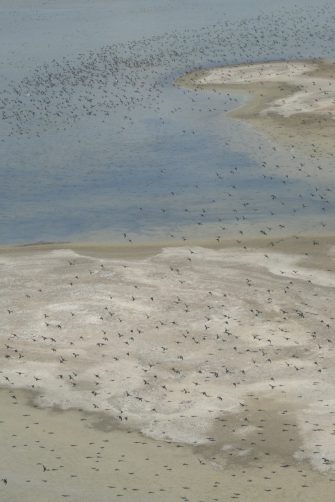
(292, 101)
(216, 363)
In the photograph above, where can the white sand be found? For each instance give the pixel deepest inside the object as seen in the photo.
(313, 94)
(171, 344)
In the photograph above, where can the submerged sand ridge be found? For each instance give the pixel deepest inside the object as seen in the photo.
(292, 101)
(181, 345)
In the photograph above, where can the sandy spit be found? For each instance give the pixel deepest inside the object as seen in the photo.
(292, 101)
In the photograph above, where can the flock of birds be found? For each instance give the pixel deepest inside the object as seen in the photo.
(134, 74)
(118, 84)
(209, 348)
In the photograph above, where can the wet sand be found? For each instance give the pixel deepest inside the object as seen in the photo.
(47, 454)
(216, 363)
(297, 243)
(292, 102)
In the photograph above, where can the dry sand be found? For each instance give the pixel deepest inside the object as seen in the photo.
(293, 102)
(225, 353)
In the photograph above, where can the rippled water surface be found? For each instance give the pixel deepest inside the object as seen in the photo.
(98, 144)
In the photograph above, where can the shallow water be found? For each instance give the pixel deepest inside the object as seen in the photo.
(90, 152)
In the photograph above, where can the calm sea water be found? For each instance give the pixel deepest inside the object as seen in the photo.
(97, 143)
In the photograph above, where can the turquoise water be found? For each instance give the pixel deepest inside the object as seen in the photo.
(96, 142)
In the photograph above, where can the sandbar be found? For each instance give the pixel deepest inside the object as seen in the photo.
(292, 101)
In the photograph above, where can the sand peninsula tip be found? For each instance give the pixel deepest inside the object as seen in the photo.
(293, 101)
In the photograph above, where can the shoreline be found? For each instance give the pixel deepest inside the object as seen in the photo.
(287, 243)
(296, 108)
